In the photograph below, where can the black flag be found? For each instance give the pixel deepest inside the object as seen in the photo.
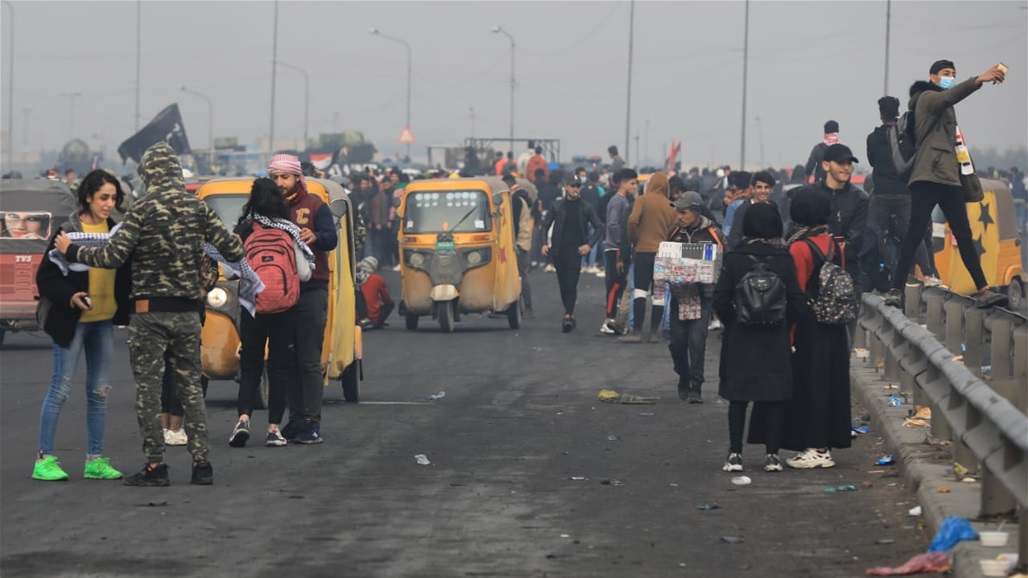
(165, 127)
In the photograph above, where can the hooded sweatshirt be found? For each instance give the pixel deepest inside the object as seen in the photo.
(164, 233)
(652, 216)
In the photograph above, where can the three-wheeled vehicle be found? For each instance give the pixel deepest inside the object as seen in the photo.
(342, 350)
(994, 231)
(30, 210)
(457, 251)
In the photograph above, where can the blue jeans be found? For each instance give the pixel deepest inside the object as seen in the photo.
(97, 339)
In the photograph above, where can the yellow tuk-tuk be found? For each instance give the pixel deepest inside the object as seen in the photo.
(342, 350)
(457, 251)
(994, 230)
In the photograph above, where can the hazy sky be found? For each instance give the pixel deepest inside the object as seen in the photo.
(808, 62)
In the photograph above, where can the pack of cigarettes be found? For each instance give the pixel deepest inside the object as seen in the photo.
(683, 263)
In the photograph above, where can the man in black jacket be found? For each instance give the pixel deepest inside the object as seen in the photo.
(889, 211)
(570, 219)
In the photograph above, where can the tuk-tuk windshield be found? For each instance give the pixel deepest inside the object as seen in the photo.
(439, 211)
(228, 207)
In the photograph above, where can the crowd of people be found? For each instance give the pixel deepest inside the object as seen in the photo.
(799, 240)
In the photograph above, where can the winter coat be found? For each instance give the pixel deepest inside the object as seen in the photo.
(813, 166)
(652, 216)
(555, 218)
(537, 163)
(935, 127)
(879, 155)
(58, 288)
(755, 360)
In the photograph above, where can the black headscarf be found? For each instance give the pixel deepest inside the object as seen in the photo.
(762, 221)
(810, 211)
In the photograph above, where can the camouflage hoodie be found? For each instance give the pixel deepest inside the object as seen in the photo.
(164, 232)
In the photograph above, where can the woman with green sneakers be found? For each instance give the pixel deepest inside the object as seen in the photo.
(78, 309)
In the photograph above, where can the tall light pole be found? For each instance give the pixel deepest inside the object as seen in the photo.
(760, 131)
(513, 82)
(888, 24)
(210, 124)
(378, 32)
(274, 60)
(139, 50)
(306, 99)
(628, 101)
(745, 63)
(10, 85)
(71, 115)
(25, 129)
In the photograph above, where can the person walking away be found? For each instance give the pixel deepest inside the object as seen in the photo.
(524, 225)
(282, 260)
(537, 163)
(648, 224)
(570, 219)
(499, 163)
(691, 305)
(317, 230)
(547, 195)
(813, 167)
(755, 358)
(936, 174)
(80, 309)
(616, 162)
(817, 419)
(164, 233)
(376, 294)
(616, 256)
(889, 209)
(524, 157)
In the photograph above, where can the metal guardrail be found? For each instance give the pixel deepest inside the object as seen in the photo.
(980, 407)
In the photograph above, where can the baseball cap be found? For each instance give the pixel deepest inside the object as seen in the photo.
(840, 152)
(572, 181)
(688, 200)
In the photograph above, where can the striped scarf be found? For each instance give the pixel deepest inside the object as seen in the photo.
(249, 283)
(289, 227)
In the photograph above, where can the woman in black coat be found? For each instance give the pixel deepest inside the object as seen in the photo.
(78, 309)
(755, 359)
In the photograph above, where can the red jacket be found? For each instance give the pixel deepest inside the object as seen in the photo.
(535, 163)
(309, 212)
(375, 294)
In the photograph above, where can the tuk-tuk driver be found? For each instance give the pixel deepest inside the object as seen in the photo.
(521, 211)
(317, 229)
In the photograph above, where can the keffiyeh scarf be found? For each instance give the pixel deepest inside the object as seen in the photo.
(249, 283)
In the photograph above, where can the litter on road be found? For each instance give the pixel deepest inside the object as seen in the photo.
(436, 396)
(842, 488)
(741, 480)
(422, 459)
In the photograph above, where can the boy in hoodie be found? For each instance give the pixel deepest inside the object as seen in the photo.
(164, 234)
(651, 218)
(688, 331)
(935, 177)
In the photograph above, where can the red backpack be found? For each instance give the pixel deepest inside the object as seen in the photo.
(272, 255)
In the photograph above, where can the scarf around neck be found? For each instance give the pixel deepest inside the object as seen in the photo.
(802, 232)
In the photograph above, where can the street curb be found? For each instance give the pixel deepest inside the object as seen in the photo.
(914, 457)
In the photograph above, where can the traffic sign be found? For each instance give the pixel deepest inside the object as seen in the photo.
(406, 137)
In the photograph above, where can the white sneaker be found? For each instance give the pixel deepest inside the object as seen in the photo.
(715, 324)
(608, 328)
(931, 281)
(733, 463)
(175, 437)
(810, 459)
(601, 273)
(549, 269)
(397, 267)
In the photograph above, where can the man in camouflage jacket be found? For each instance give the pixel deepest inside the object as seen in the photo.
(164, 233)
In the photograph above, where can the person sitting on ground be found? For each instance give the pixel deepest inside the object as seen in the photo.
(376, 294)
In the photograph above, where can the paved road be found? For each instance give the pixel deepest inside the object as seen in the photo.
(520, 420)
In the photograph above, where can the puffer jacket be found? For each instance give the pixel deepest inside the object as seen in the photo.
(935, 126)
(652, 216)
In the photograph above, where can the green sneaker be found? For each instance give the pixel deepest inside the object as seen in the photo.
(49, 470)
(100, 469)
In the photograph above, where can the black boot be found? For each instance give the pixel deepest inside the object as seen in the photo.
(683, 388)
(639, 311)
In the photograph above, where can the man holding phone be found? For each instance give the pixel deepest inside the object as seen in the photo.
(935, 178)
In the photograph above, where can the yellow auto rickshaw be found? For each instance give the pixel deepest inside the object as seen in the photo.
(342, 351)
(994, 231)
(457, 251)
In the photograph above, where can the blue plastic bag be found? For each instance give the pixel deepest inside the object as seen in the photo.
(951, 531)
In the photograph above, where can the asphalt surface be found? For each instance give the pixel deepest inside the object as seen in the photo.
(530, 474)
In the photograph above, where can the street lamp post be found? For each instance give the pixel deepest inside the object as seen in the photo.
(745, 63)
(274, 69)
(10, 85)
(210, 124)
(306, 99)
(378, 32)
(71, 115)
(513, 82)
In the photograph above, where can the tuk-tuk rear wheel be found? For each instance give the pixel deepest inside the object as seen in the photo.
(412, 321)
(514, 315)
(1015, 293)
(444, 312)
(352, 382)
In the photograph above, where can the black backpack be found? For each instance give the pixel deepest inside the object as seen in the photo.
(903, 144)
(759, 296)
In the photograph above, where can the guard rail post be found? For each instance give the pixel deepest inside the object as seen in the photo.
(974, 340)
(954, 325)
(933, 305)
(912, 302)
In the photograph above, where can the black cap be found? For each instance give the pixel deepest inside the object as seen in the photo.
(831, 126)
(941, 64)
(840, 152)
(572, 180)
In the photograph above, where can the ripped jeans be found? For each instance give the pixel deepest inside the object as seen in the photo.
(97, 340)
